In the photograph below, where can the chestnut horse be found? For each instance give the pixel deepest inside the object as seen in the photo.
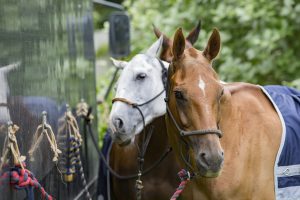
(228, 135)
(140, 81)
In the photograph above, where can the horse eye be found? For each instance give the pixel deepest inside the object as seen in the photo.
(179, 95)
(141, 76)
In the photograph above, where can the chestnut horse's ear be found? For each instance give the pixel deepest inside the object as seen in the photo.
(158, 33)
(156, 48)
(119, 63)
(178, 44)
(213, 45)
(194, 34)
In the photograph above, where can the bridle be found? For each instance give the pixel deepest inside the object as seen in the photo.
(3, 105)
(146, 137)
(183, 133)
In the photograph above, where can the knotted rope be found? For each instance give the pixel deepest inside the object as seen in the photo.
(18, 176)
(22, 179)
(44, 130)
(11, 146)
(72, 153)
(185, 177)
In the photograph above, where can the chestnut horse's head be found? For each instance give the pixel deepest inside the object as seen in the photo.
(166, 53)
(194, 98)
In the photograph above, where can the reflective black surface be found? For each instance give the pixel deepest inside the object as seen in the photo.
(119, 35)
(46, 61)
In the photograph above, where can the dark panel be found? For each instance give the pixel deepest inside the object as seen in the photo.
(46, 61)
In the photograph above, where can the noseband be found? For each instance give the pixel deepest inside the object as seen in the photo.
(182, 132)
(3, 105)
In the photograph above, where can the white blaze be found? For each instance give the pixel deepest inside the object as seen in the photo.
(202, 85)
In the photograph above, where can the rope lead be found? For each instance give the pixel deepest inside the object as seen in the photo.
(23, 179)
(185, 177)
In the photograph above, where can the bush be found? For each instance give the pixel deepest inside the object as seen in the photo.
(260, 41)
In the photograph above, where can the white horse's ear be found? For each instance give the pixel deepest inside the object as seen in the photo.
(156, 48)
(119, 63)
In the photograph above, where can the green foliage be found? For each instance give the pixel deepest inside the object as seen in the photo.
(103, 81)
(260, 39)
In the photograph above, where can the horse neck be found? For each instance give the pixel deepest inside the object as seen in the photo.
(249, 143)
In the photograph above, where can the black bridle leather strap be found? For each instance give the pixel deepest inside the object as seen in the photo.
(184, 133)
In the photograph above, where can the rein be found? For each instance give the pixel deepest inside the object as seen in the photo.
(146, 137)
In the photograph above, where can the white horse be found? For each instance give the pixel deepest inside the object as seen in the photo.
(140, 81)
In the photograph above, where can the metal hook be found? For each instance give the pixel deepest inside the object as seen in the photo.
(44, 120)
(68, 107)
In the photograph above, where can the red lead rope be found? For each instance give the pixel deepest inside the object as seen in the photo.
(23, 179)
(185, 177)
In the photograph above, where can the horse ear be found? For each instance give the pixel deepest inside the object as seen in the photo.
(119, 63)
(158, 33)
(213, 45)
(194, 34)
(155, 48)
(178, 44)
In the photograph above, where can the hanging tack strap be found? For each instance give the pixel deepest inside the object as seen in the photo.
(11, 146)
(83, 111)
(75, 141)
(185, 177)
(44, 130)
(71, 120)
(22, 179)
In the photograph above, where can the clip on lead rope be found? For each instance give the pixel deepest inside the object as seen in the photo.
(18, 176)
(44, 130)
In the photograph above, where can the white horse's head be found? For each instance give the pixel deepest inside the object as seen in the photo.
(139, 82)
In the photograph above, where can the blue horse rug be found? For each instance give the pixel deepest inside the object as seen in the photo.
(286, 101)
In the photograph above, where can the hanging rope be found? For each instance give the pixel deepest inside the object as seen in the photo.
(72, 157)
(11, 146)
(18, 176)
(44, 130)
(185, 177)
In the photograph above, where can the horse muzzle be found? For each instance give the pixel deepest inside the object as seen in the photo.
(209, 164)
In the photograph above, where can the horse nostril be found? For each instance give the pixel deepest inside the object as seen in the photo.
(203, 155)
(118, 122)
(203, 158)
